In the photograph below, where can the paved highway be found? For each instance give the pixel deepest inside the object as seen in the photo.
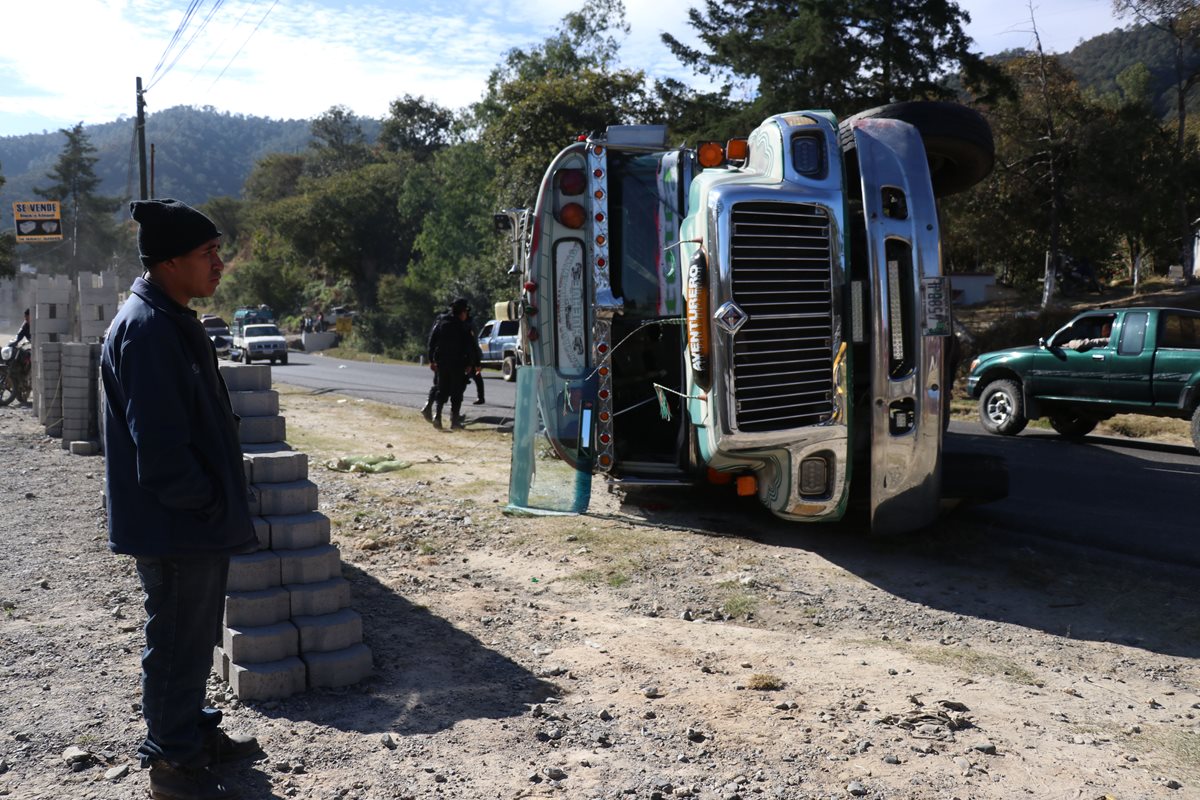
(1122, 495)
(398, 384)
(1119, 495)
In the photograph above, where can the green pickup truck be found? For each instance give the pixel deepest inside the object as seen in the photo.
(1102, 363)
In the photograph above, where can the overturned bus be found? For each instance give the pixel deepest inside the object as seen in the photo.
(769, 313)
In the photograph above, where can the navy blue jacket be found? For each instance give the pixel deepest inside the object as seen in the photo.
(176, 484)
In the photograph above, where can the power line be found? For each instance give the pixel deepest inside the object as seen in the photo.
(191, 40)
(248, 38)
(193, 5)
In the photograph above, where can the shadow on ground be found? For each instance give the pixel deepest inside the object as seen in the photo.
(1034, 559)
(429, 675)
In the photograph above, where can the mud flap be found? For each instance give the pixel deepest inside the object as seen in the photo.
(553, 453)
(906, 287)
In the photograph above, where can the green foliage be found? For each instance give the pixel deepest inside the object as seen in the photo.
(416, 126)
(8, 246)
(274, 177)
(338, 144)
(349, 225)
(837, 54)
(91, 238)
(229, 215)
(270, 273)
(1102, 172)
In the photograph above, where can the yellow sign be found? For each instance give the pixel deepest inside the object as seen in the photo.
(343, 325)
(38, 221)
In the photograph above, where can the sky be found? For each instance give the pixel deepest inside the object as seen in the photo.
(75, 61)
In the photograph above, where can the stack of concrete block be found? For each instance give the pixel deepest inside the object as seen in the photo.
(97, 304)
(288, 624)
(47, 387)
(50, 323)
(80, 394)
(51, 318)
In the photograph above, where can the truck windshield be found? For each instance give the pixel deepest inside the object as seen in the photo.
(262, 330)
(645, 271)
(645, 208)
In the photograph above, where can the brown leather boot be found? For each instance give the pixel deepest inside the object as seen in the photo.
(169, 782)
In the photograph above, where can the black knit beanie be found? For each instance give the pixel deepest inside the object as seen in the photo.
(169, 228)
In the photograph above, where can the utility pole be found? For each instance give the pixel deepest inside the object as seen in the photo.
(141, 140)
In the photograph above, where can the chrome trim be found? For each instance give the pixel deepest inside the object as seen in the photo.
(606, 303)
(731, 317)
(905, 468)
(602, 334)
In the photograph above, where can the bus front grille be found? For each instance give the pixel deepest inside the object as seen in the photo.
(781, 268)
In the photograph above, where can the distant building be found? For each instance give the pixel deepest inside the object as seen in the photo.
(972, 288)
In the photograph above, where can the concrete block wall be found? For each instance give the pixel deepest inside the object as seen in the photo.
(47, 386)
(80, 373)
(288, 621)
(97, 305)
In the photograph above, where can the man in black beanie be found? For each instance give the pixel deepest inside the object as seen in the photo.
(177, 495)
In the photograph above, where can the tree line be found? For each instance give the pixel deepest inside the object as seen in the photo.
(395, 217)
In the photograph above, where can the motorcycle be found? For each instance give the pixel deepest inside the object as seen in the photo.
(15, 372)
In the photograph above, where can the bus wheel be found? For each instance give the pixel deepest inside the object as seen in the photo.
(958, 140)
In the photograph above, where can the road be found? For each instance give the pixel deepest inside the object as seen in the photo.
(1119, 495)
(1122, 495)
(397, 384)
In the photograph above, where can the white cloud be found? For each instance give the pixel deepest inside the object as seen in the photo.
(311, 54)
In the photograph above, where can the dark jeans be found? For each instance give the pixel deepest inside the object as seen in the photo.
(451, 382)
(185, 602)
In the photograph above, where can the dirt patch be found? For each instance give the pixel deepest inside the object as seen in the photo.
(665, 645)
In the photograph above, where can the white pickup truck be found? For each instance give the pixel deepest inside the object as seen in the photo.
(259, 342)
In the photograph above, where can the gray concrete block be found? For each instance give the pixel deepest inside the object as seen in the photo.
(259, 644)
(279, 466)
(262, 529)
(84, 448)
(255, 609)
(246, 377)
(325, 632)
(262, 429)
(258, 403)
(294, 497)
(315, 599)
(272, 681)
(338, 667)
(309, 566)
(253, 571)
(298, 531)
(220, 663)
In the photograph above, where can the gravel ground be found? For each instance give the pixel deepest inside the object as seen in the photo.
(677, 645)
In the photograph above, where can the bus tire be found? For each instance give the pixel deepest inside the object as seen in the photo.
(958, 140)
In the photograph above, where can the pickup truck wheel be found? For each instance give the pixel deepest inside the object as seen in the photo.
(283, 359)
(508, 370)
(1072, 426)
(958, 140)
(1196, 428)
(1001, 409)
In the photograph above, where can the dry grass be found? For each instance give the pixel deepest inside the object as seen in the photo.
(764, 682)
(968, 661)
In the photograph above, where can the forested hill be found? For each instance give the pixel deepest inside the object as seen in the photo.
(199, 153)
(1100, 61)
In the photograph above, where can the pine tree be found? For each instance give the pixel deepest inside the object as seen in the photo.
(90, 232)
